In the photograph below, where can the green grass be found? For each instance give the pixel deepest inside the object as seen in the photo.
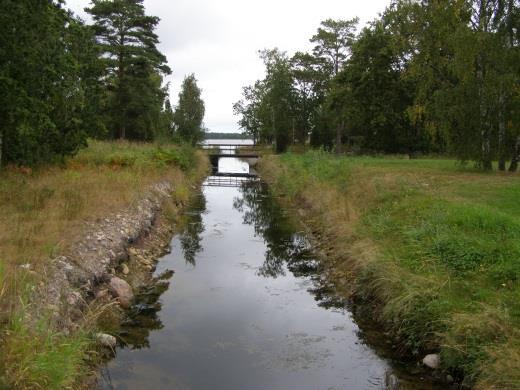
(441, 251)
(139, 155)
(41, 357)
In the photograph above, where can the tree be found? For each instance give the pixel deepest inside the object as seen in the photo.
(333, 44)
(46, 67)
(268, 108)
(466, 69)
(310, 83)
(189, 113)
(279, 96)
(250, 110)
(133, 64)
(379, 119)
(427, 76)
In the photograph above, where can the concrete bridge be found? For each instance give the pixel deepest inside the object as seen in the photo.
(247, 153)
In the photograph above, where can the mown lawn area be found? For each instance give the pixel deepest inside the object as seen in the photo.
(434, 244)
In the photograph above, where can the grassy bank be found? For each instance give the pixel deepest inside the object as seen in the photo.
(44, 211)
(433, 249)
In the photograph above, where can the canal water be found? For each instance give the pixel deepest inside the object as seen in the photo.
(245, 308)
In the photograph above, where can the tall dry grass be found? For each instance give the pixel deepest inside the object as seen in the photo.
(45, 210)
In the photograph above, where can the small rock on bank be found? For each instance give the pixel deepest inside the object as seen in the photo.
(391, 381)
(121, 290)
(106, 340)
(432, 360)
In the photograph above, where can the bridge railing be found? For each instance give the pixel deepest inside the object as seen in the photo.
(229, 148)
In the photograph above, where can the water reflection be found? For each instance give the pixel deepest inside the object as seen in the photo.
(286, 248)
(232, 165)
(143, 317)
(191, 236)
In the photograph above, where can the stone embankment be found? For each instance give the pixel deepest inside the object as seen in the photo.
(115, 257)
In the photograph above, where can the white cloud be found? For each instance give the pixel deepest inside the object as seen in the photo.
(219, 40)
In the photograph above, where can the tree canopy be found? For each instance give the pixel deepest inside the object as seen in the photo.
(189, 114)
(424, 77)
(63, 81)
(133, 66)
(47, 66)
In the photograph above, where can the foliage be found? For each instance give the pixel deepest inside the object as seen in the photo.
(333, 42)
(189, 114)
(43, 357)
(47, 65)
(378, 121)
(133, 68)
(423, 77)
(62, 81)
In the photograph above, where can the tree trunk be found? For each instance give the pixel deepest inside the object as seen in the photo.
(501, 134)
(274, 129)
(120, 76)
(485, 157)
(293, 130)
(339, 131)
(486, 151)
(513, 167)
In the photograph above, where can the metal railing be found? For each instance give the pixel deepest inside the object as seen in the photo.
(228, 181)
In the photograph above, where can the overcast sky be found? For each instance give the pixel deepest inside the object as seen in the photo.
(219, 41)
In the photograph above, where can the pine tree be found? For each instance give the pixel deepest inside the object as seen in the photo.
(333, 41)
(46, 66)
(133, 64)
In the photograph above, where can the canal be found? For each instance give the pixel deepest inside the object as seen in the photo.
(245, 307)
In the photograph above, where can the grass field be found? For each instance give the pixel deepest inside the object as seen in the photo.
(432, 246)
(42, 212)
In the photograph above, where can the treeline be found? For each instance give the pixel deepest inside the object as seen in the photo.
(425, 77)
(62, 81)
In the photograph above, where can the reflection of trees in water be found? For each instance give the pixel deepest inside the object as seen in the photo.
(286, 249)
(143, 316)
(191, 235)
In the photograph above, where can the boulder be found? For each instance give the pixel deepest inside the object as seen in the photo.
(391, 381)
(124, 269)
(432, 361)
(121, 290)
(106, 340)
